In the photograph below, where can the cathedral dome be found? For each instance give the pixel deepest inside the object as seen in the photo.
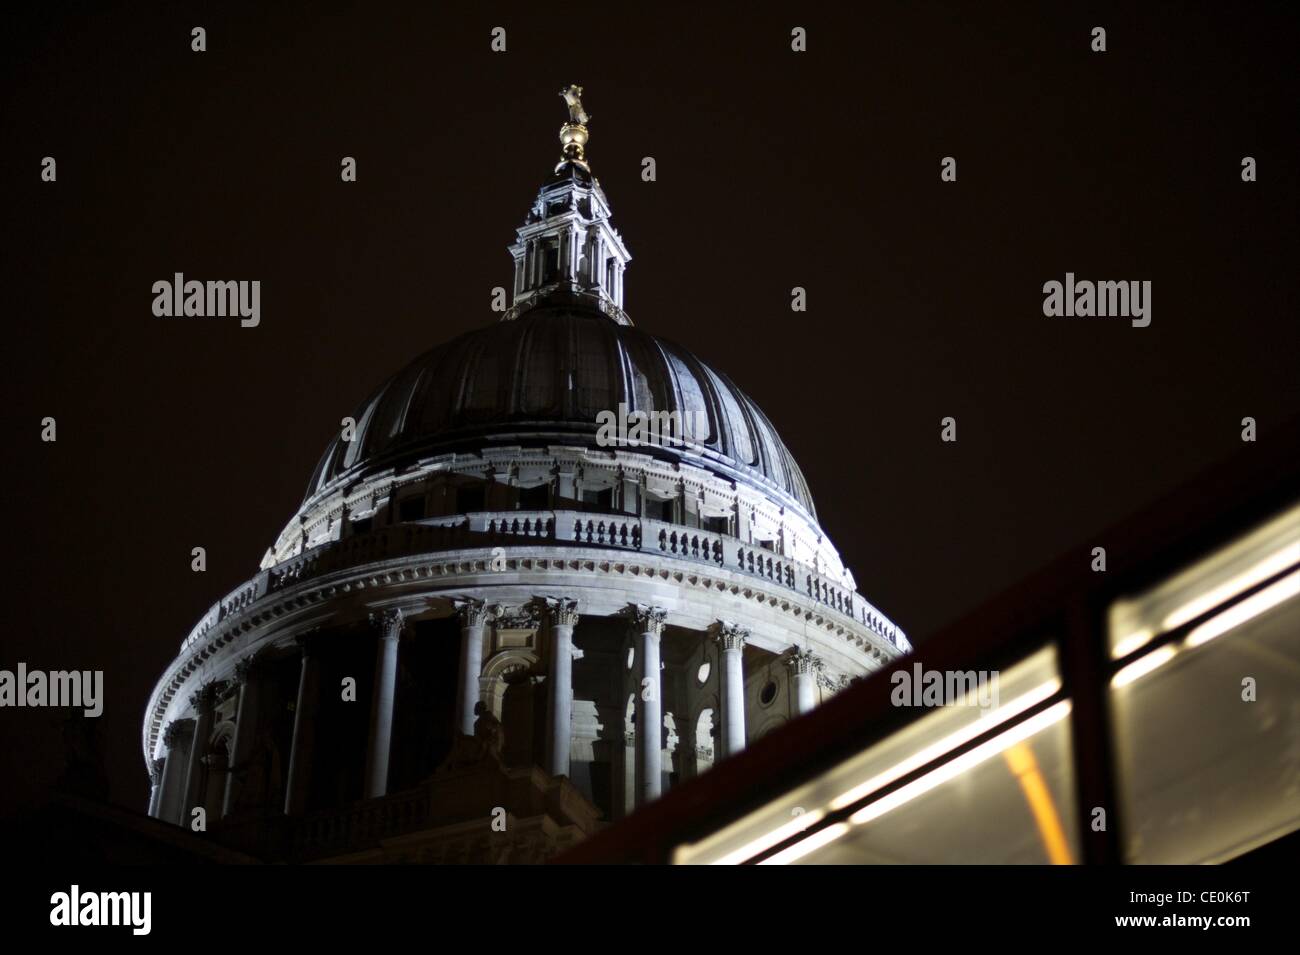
(544, 378)
(578, 562)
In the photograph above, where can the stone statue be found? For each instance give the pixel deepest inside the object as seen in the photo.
(483, 745)
(487, 731)
(573, 96)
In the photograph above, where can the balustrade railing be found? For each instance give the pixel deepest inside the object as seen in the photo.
(560, 527)
(364, 823)
(689, 542)
(610, 531)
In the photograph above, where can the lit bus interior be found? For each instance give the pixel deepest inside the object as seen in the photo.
(1205, 705)
(1146, 715)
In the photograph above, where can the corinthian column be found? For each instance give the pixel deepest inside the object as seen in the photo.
(389, 623)
(648, 626)
(731, 640)
(804, 666)
(155, 785)
(295, 795)
(245, 723)
(202, 701)
(473, 617)
(178, 737)
(563, 615)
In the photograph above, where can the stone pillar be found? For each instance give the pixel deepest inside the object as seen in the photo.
(731, 640)
(598, 261)
(177, 739)
(389, 623)
(473, 617)
(155, 785)
(804, 665)
(648, 625)
(295, 795)
(202, 701)
(563, 615)
(246, 717)
(566, 485)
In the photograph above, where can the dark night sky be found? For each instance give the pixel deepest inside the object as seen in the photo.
(774, 170)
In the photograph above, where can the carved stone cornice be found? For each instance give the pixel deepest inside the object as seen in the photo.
(473, 613)
(562, 611)
(730, 636)
(178, 731)
(646, 619)
(389, 622)
(298, 592)
(802, 661)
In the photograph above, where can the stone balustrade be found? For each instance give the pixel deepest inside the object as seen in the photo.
(562, 528)
(362, 823)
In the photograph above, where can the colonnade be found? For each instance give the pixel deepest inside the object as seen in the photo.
(178, 773)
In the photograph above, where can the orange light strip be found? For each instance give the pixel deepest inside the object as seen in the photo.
(1020, 760)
